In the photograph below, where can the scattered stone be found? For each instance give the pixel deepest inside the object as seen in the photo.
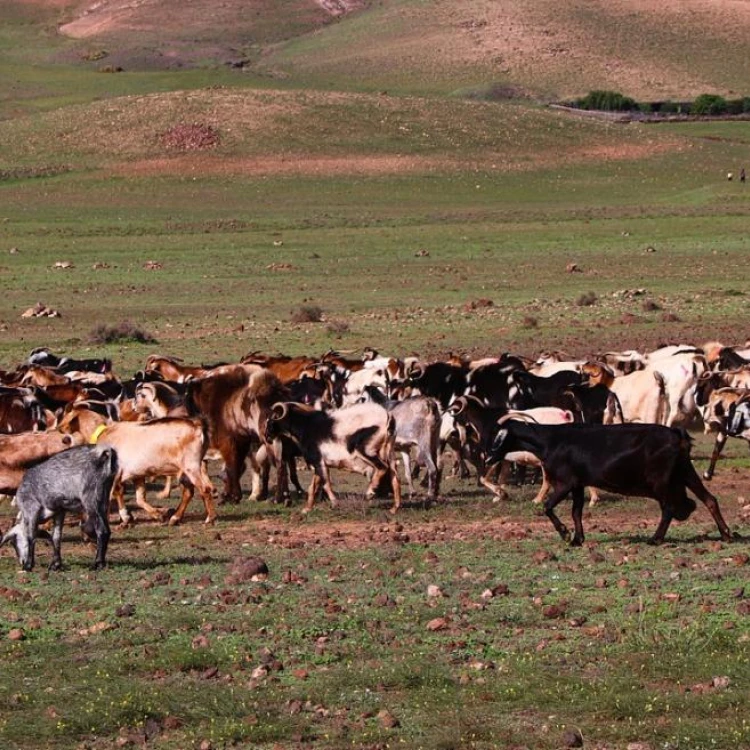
(153, 265)
(98, 266)
(14, 251)
(500, 590)
(387, 719)
(63, 264)
(245, 569)
(279, 267)
(439, 623)
(434, 591)
(478, 304)
(553, 611)
(721, 683)
(572, 738)
(16, 634)
(573, 268)
(97, 627)
(126, 610)
(422, 254)
(200, 641)
(190, 137)
(542, 556)
(40, 310)
(650, 249)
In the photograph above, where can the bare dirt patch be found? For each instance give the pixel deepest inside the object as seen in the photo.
(373, 166)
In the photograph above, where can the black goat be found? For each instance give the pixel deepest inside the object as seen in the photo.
(632, 459)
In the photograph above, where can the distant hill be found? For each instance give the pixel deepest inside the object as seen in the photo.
(550, 48)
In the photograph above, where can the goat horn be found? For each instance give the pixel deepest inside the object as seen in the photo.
(416, 371)
(458, 406)
(279, 410)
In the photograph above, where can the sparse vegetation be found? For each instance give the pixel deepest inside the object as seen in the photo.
(121, 333)
(190, 137)
(307, 314)
(607, 101)
(709, 104)
(587, 299)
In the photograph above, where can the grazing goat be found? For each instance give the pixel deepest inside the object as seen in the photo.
(78, 480)
(417, 424)
(632, 459)
(359, 438)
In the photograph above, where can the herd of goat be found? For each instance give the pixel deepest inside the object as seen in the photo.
(72, 434)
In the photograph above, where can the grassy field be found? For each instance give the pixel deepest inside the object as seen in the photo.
(521, 642)
(353, 168)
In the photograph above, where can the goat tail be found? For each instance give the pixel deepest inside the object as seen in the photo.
(663, 410)
(613, 412)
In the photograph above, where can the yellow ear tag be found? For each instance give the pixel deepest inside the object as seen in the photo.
(94, 439)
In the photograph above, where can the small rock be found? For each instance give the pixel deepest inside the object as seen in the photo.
(573, 268)
(387, 719)
(439, 623)
(721, 683)
(127, 610)
(16, 634)
(572, 738)
(553, 611)
(434, 591)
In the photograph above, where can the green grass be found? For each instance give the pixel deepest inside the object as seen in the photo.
(500, 672)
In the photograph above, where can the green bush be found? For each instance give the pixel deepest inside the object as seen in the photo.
(607, 101)
(670, 108)
(709, 104)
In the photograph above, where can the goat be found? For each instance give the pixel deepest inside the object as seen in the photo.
(78, 480)
(631, 459)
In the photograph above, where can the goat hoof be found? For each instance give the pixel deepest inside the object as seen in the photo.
(655, 541)
(210, 521)
(576, 542)
(707, 476)
(174, 520)
(99, 565)
(52, 566)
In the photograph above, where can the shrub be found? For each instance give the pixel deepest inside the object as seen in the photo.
(307, 314)
(735, 106)
(670, 108)
(650, 306)
(124, 332)
(607, 101)
(709, 104)
(586, 300)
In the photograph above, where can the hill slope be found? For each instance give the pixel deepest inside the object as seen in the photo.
(671, 49)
